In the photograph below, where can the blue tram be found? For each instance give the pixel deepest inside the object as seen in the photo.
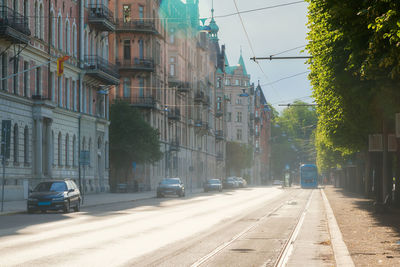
(308, 176)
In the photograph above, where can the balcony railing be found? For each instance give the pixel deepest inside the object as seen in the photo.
(13, 25)
(101, 17)
(174, 114)
(181, 86)
(137, 25)
(201, 125)
(219, 135)
(136, 64)
(219, 113)
(100, 68)
(141, 102)
(257, 133)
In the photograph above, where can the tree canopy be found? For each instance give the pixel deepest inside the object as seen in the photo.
(132, 139)
(354, 71)
(238, 156)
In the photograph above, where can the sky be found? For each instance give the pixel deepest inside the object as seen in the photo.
(270, 31)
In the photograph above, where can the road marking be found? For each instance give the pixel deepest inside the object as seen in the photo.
(288, 248)
(340, 251)
(224, 245)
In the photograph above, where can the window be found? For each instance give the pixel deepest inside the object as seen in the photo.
(4, 71)
(26, 79)
(227, 82)
(219, 104)
(238, 101)
(219, 83)
(67, 93)
(60, 88)
(41, 22)
(127, 88)
(141, 87)
(90, 101)
(229, 119)
(52, 29)
(67, 150)
(127, 49)
(239, 134)
(26, 9)
(74, 95)
(60, 32)
(141, 13)
(26, 145)
(106, 155)
(237, 82)
(239, 117)
(38, 81)
(74, 151)
(36, 20)
(126, 9)
(16, 143)
(90, 151)
(141, 49)
(74, 41)
(15, 78)
(172, 36)
(67, 38)
(59, 149)
(172, 69)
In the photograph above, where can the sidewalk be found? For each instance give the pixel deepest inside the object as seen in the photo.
(373, 239)
(91, 200)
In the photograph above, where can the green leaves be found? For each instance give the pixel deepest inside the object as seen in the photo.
(131, 138)
(355, 71)
(238, 156)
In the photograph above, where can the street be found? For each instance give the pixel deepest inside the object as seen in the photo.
(247, 227)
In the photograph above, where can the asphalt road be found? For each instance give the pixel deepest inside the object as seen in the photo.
(247, 227)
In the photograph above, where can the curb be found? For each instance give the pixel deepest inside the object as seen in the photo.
(342, 255)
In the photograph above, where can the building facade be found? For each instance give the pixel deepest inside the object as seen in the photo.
(55, 117)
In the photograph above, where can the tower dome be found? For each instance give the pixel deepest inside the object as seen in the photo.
(214, 29)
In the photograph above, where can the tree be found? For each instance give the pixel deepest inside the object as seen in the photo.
(132, 139)
(238, 156)
(292, 137)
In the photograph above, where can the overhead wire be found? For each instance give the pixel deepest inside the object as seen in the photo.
(285, 78)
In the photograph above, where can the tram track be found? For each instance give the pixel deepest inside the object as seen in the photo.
(287, 248)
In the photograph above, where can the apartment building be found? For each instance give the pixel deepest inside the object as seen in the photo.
(262, 134)
(54, 117)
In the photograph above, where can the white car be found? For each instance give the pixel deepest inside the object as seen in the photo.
(277, 182)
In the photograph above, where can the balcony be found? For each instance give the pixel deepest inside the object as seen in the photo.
(182, 87)
(201, 125)
(251, 116)
(174, 145)
(219, 113)
(14, 26)
(219, 135)
(101, 18)
(174, 114)
(257, 118)
(141, 102)
(137, 25)
(257, 134)
(136, 64)
(99, 68)
(199, 96)
(257, 150)
(220, 156)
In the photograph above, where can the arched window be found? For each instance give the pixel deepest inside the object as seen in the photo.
(59, 149)
(26, 10)
(86, 44)
(67, 37)
(52, 28)
(26, 145)
(74, 151)
(54, 147)
(67, 150)
(74, 41)
(16, 143)
(60, 32)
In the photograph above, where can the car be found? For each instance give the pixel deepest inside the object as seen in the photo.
(213, 184)
(56, 195)
(170, 186)
(277, 182)
(241, 182)
(230, 182)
